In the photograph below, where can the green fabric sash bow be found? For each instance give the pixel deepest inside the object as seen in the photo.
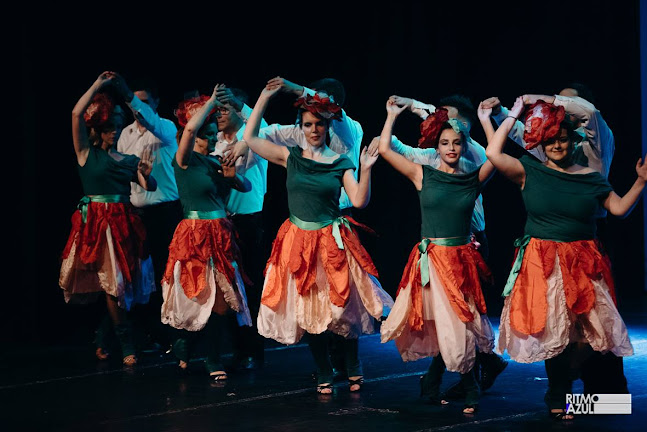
(313, 226)
(423, 262)
(86, 200)
(214, 214)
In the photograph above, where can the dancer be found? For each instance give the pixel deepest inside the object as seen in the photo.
(440, 311)
(560, 289)
(203, 281)
(319, 277)
(105, 251)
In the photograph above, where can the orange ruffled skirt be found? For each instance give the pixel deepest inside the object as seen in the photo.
(447, 316)
(202, 275)
(312, 286)
(563, 293)
(107, 254)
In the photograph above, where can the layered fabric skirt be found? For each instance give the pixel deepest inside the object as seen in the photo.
(440, 307)
(318, 279)
(106, 252)
(558, 293)
(202, 275)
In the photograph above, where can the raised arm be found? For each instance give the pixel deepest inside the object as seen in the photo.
(187, 141)
(506, 164)
(487, 169)
(622, 206)
(359, 193)
(79, 129)
(409, 169)
(274, 153)
(144, 169)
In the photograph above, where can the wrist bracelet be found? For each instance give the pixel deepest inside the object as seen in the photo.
(512, 117)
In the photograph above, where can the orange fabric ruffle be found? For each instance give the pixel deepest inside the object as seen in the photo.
(127, 230)
(580, 262)
(459, 268)
(195, 241)
(297, 251)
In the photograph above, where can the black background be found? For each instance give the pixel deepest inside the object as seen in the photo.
(421, 50)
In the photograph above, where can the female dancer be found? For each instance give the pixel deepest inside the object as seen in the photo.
(560, 289)
(203, 281)
(440, 310)
(318, 277)
(105, 251)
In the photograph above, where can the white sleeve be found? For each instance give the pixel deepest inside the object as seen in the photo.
(414, 154)
(422, 109)
(516, 134)
(350, 135)
(246, 112)
(287, 135)
(165, 130)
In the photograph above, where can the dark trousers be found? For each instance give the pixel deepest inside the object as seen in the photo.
(558, 370)
(431, 381)
(246, 342)
(185, 342)
(319, 347)
(160, 221)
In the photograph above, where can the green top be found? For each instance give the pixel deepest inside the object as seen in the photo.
(447, 202)
(104, 175)
(200, 186)
(561, 206)
(314, 187)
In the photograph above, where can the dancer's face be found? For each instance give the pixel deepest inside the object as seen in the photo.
(559, 149)
(111, 131)
(229, 119)
(450, 146)
(314, 129)
(206, 143)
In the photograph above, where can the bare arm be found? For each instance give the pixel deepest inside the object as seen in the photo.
(236, 181)
(487, 169)
(187, 142)
(622, 206)
(274, 153)
(410, 170)
(79, 129)
(359, 193)
(506, 164)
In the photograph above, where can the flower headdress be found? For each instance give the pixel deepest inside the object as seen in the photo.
(430, 128)
(322, 106)
(188, 107)
(99, 110)
(543, 123)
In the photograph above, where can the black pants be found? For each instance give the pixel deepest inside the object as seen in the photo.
(246, 342)
(558, 371)
(160, 221)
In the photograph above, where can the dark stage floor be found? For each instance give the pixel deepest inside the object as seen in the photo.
(66, 389)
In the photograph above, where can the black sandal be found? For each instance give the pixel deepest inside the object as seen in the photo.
(357, 381)
(324, 386)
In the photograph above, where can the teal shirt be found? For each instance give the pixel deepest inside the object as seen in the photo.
(314, 187)
(447, 202)
(561, 206)
(200, 186)
(104, 175)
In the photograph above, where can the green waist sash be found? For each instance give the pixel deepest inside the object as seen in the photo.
(214, 214)
(86, 200)
(521, 243)
(313, 226)
(423, 262)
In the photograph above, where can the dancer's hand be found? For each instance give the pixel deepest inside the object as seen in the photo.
(285, 86)
(104, 79)
(270, 90)
(145, 165)
(484, 112)
(493, 103)
(368, 157)
(226, 170)
(641, 168)
(374, 145)
(225, 96)
(234, 151)
(402, 101)
(393, 109)
(517, 108)
(122, 88)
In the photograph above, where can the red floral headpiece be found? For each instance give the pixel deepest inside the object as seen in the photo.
(323, 106)
(431, 126)
(99, 110)
(543, 122)
(188, 107)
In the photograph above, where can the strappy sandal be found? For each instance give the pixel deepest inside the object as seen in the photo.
(355, 382)
(101, 354)
(324, 389)
(130, 360)
(218, 376)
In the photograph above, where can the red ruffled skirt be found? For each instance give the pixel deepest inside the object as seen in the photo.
(311, 285)
(202, 275)
(448, 315)
(563, 293)
(108, 254)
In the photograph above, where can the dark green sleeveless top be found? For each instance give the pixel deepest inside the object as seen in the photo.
(200, 186)
(561, 206)
(447, 202)
(314, 187)
(103, 175)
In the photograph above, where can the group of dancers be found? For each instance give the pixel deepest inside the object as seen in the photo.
(199, 190)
